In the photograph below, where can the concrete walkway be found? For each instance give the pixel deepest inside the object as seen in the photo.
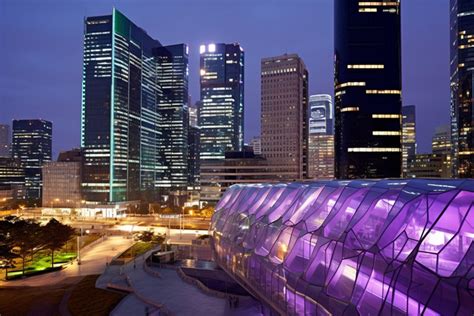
(93, 261)
(170, 291)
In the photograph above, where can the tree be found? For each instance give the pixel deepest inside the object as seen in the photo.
(27, 236)
(55, 235)
(6, 247)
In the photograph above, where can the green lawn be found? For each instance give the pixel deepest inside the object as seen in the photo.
(42, 262)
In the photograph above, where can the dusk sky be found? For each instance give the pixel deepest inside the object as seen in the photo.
(41, 52)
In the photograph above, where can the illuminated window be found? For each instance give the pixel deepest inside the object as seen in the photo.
(350, 109)
(373, 150)
(386, 133)
(350, 84)
(375, 66)
(383, 92)
(386, 116)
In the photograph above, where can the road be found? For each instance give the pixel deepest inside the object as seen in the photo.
(93, 261)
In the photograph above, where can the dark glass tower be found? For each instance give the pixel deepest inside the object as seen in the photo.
(133, 93)
(32, 146)
(173, 74)
(462, 68)
(221, 114)
(367, 89)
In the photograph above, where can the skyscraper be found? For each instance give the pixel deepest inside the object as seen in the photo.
(256, 144)
(367, 89)
(408, 135)
(221, 114)
(321, 114)
(321, 137)
(125, 90)
(4, 140)
(284, 113)
(172, 78)
(462, 68)
(32, 146)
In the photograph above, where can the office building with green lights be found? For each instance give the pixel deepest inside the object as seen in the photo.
(121, 121)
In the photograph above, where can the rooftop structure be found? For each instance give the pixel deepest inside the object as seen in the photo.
(373, 247)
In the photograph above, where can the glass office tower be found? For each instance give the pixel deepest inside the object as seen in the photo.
(173, 71)
(367, 89)
(462, 67)
(32, 146)
(321, 116)
(119, 117)
(408, 136)
(321, 137)
(221, 114)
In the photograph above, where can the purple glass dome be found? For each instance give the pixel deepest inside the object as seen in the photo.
(381, 247)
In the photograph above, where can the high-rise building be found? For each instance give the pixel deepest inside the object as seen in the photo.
(5, 140)
(321, 117)
(62, 180)
(173, 71)
(462, 104)
(441, 145)
(256, 144)
(124, 93)
(321, 137)
(221, 113)
(428, 166)
(367, 89)
(12, 180)
(32, 146)
(193, 114)
(284, 98)
(408, 135)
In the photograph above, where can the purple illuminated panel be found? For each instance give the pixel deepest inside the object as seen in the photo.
(386, 247)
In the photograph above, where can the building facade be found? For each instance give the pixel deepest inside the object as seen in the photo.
(172, 76)
(321, 115)
(125, 92)
(221, 113)
(62, 180)
(256, 144)
(284, 113)
(367, 89)
(238, 167)
(32, 146)
(320, 137)
(428, 166)
(329, 247)
(462, 69)
(5, 140)
(12, 180)
(408, 135)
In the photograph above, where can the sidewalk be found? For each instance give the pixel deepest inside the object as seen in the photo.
(93, 261)
(170, 291)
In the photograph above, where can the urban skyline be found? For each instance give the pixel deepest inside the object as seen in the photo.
(317, 55)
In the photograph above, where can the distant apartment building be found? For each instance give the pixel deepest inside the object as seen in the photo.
(62, 180)
(12, 180)
(320, 137)
(428, 166)
(408, 135)
(32, 146)
(242, 167)
(284, 113)
(256, 145)
(5, 140)
(221, 112)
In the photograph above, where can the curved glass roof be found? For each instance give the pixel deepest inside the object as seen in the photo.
(362, 246)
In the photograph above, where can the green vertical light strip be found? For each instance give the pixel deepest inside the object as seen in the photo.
(112, 113)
